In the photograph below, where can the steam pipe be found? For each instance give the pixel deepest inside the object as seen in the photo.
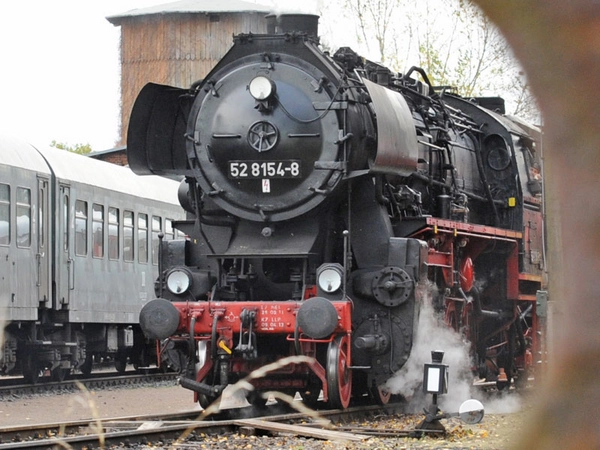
(201, 388)
(421, 72)
(444, 185)
(478, 310)
(521, 337)
(213, 336)
(192, 341)
(379, 197)
(161, 275)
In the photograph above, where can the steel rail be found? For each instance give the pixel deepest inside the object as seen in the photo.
(155, 428)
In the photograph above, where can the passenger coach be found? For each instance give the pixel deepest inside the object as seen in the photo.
(78, 258)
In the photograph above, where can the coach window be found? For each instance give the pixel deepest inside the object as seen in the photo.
(81, 226)
(66, 222)
(156, 229)
(42, 208)
(98, 230)
(169, 232)
(113, 233)
(4, 214)
(23, 217)
(128, 236)
(143, 238)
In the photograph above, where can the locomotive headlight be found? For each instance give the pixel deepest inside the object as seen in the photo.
(329, 277)
(178, 281)
(261, 88)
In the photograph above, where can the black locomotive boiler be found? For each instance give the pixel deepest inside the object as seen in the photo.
(327, 198)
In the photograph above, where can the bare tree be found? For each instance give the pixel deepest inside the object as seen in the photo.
(374, 16)
(451, 40)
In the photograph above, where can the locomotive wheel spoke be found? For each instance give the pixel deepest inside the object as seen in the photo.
(339, 376)
(381, 395)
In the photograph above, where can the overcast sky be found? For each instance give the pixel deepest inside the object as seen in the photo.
(59, 69)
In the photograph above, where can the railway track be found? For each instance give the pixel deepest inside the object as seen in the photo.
(185, 427)
(16, 387)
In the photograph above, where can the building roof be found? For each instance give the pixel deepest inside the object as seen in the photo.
(98, 154)
(192, 6)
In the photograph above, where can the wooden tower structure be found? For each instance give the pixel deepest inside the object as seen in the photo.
(178, 43)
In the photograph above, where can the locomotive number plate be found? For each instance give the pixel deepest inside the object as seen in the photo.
(288, 168)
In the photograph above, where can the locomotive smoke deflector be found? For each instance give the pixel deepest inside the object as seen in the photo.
(397, 150)
(156, 133)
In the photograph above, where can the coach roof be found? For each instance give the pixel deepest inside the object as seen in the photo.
(22, 155)
(82, 169)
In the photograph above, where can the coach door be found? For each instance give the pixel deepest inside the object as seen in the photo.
(44, 246)
(65, 278)
(6, 227)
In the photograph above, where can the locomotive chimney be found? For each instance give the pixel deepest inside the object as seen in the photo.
(288, 23)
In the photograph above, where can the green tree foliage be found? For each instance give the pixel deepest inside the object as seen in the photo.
(82, 149)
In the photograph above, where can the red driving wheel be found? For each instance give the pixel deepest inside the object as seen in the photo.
(339, 376)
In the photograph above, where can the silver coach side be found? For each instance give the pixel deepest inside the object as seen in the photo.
(77, 288)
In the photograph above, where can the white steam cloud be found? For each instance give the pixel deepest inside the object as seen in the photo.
(433, 334)
(306, 7)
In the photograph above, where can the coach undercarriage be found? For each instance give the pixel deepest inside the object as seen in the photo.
(40, 349)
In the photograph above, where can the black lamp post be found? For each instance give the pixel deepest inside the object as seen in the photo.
(435, 376)
(435, 382)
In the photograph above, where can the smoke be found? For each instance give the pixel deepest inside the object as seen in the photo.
(433, 334)
(306, 7)
(503, 402)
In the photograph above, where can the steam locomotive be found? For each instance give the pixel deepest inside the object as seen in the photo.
(328, 198)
